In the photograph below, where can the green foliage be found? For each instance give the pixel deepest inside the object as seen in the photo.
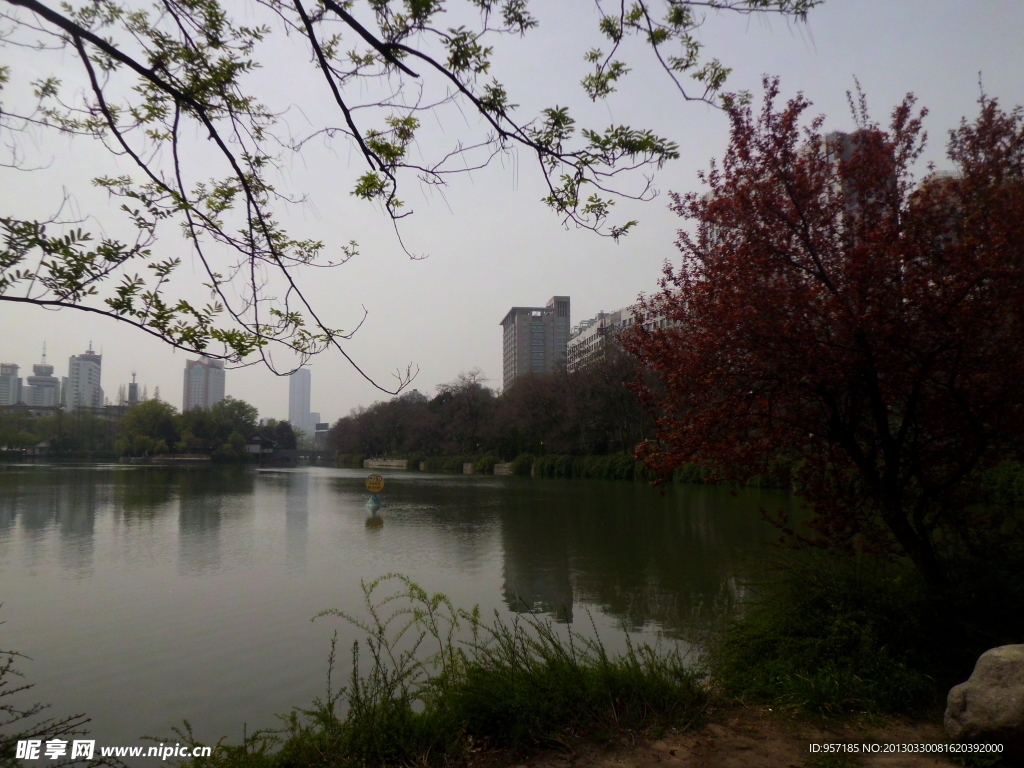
(1004, 484)
(170, 88)
(523, 464)
(148, 428)
(830, 637)
(615, 467)
(828, 634)
(239, 415)
(279, 432)
(353, 460)
(447, 463)
(485, 465)
(442, 682)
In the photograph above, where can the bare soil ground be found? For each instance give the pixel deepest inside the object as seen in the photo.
(741, 737)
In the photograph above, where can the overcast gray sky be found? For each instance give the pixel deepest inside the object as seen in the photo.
(492, 244)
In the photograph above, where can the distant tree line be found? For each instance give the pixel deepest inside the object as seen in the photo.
(588, 412)
(150, 428)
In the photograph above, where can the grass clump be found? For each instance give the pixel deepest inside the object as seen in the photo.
(830, 636)
(433, 685)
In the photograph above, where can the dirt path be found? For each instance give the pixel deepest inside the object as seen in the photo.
(739, 738)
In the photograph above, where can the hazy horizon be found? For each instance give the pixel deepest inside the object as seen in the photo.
(490, 242)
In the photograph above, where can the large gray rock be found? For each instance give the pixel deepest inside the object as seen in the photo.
(989, 707)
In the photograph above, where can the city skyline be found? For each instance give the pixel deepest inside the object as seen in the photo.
(491, 244)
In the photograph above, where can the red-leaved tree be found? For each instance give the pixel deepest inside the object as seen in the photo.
(837, 317)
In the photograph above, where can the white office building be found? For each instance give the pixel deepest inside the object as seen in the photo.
(43, 388)
(82, 388)
(589, 341)
(10, 384)
(203, 383)
(300, 388)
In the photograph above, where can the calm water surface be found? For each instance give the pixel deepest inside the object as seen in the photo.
(147, 595)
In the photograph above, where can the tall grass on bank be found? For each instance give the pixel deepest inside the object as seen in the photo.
(418, 694)
(828, 634)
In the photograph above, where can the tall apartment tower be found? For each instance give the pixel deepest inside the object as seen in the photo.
(204, 383)
(300, 386)
(133, 391)
(534, 339)
(10, 384)
(82, 388)
(43, 390)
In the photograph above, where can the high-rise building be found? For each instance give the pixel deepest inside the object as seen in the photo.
(82, 389)
(43, 390)
(204, 383)
(133, 391)
(300, 386)
(534, 339)
(592, 339)
(10, 384)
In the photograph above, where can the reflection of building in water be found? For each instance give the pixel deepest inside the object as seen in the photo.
(199, 517)
(75, 503)
(60, 506)
(296, 519)
(676, 561)
(536, 572)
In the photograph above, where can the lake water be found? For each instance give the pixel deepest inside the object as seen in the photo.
(149, 595)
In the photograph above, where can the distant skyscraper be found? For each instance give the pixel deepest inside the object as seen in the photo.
(83, 382)
(534, 339)
(10, 384)
(204, 383)
(43, 390)
(133, 391)
(300, 385)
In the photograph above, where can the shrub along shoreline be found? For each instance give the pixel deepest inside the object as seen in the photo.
(483, 685)
(1002, 484)
(434, 685)
(619, 466)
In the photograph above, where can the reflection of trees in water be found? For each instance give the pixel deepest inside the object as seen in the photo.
(9, 502)
(77, 504)
(199, 521)
(295, 486)
(143, 492)
(639, 556)
(201, 497)
(66, 500)
(459, 515)
(296, 519)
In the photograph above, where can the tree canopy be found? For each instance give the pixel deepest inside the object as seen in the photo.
(172, 90)
(841, 318)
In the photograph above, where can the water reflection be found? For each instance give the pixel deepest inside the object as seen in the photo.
(202, 496)
(75, 509)
(672, 560)
(224, 567)
(296, 519)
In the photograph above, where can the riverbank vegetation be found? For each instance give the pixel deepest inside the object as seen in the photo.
(150, 428)
(435, 685)
(827, 634)
(583, 413)
(862, 326)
